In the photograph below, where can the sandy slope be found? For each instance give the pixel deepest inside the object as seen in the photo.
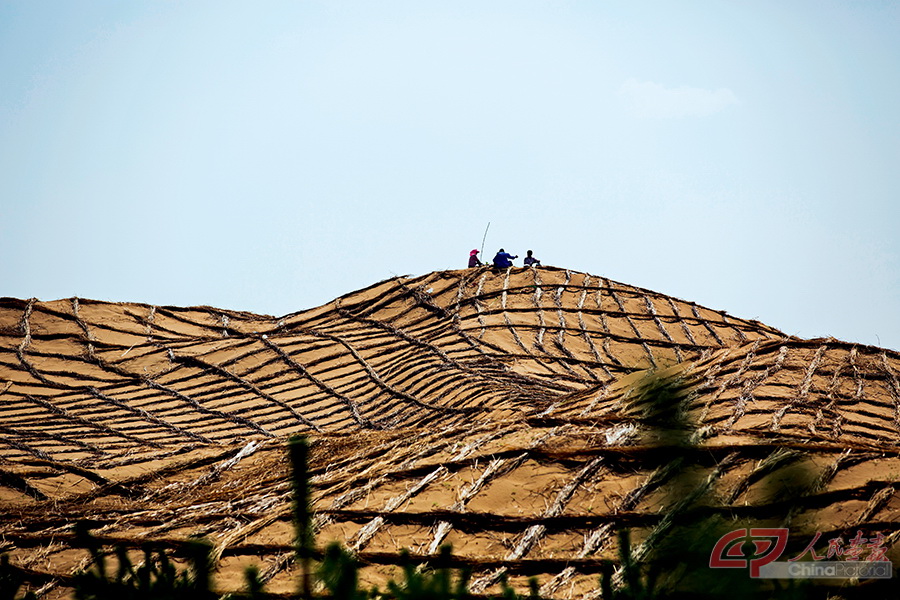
(493, 411)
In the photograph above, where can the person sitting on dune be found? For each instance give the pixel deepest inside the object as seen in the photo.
(474, 261)
(530, 260)
(503, 260)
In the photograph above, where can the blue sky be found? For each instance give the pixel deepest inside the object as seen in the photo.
(270, 156)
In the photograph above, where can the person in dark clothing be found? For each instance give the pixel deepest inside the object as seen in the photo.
(503, 259)
(530, 260)
(474, 261)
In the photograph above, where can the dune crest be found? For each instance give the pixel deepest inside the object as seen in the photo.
(488, 410)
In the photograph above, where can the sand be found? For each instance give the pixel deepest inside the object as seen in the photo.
(492, 411)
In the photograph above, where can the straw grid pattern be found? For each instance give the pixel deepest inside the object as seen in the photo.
(488, 410)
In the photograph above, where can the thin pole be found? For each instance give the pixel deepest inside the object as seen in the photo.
(298, 449)
(485, 237)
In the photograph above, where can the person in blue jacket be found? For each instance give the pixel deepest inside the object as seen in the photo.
(503, 259)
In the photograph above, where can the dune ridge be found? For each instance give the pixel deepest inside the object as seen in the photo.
(485, 409)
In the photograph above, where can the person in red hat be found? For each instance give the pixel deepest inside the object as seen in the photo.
(473, 258)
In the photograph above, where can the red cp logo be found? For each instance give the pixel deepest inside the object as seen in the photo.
(768, 545)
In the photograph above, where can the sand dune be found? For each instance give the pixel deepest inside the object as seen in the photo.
(493, 411)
